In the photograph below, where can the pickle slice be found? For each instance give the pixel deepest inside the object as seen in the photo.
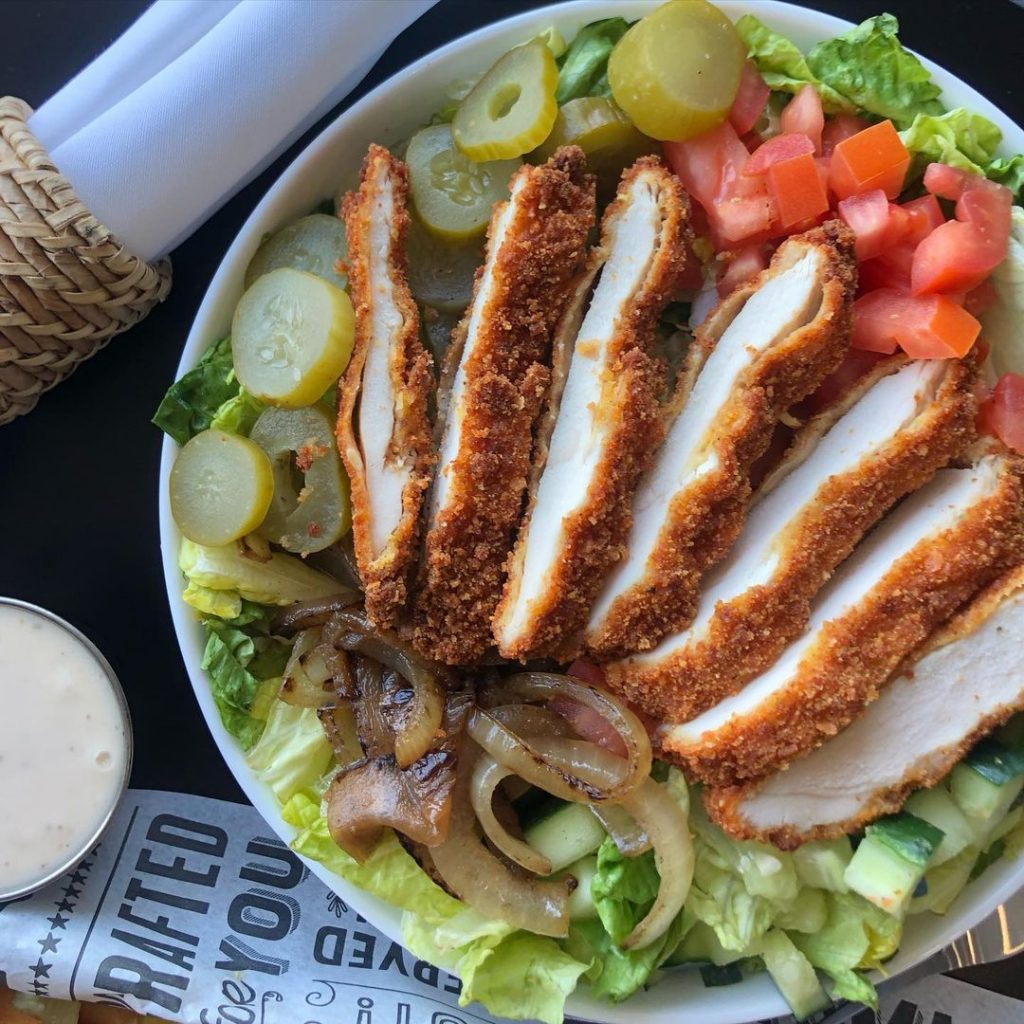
(453, 195)
(440, 272)
(611, 141)
(315, 244)
(291, 337)
(512, 109)
(221, 486)
(676, 72)
(310, 509)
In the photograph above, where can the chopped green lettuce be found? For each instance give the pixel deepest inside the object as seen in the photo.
(1002, 322)
(293, 752)
(958, 138)
(871, 68)
(783, 66)
(223, 604)
(583, 68)
(238, 414)
(1008, 171)
(237, 664)
(281, 579)
(192, 402)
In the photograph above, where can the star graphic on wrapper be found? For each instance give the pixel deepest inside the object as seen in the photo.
(40, 988)
(71, 892)
(58, 921)
(86, 865)
(40, 969)
(49, 944)
(64, 905)
(77, 878)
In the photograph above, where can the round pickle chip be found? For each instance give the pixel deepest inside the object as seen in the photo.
(676, 72)
(292, 337)
(310, 509)
(315, 244)
(221, 486)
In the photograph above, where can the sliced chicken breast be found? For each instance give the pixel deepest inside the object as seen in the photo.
(384, 432)
(960, 685)
(934, 552)
(499, 376)
(608, 420)
(762, 349)
(846, 468)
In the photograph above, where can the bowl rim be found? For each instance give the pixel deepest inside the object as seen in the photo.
(755, 998)
(124, 712)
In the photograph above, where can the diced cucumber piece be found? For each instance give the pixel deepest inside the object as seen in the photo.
(581, 901)
(936, 806)
(714, 976)
(807, 913)
(821, 864)
(793, 974)
(944, 883)
(995, 762)
(983, 801)
(701, 946)
(566, 836)
(891, 861)
(1008, 824)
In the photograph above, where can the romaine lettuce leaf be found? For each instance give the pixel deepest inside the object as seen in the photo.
(583, 68)
(1008, 171)
(293, 752)
(782, 65)
(870, 67)
(958, 138)
(191, 402)
(238, 414)
(223, 604)
(623, 889)
(1002, 322)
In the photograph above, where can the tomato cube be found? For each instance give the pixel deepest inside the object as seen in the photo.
(873, 158)
(803, 115)
(838, 128)
(776, 150)
(869, 218)
(746, 264)
(925, 216)
(927, 327)
(750, 101)
(876, 320)
(796, 187)
(1003, 413)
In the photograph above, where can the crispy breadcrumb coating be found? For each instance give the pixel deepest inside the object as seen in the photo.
(504, 375)
(385, 569)
(625, 427)
(706, 515)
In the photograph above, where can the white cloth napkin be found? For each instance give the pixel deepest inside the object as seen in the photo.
(198, 96)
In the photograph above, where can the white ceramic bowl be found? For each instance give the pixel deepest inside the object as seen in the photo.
(390, 113)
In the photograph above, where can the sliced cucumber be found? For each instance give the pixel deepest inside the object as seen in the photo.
(944, 883)
(994, 761)
(566, 836)
(581, 903)
(891, 861)
(982, 801)
(793, 974)
(821, 864)
(937, 807)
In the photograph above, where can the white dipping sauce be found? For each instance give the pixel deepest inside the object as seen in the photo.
(63, 746)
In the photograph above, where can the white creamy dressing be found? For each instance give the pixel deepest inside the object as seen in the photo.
(784, 303)
(63, 746)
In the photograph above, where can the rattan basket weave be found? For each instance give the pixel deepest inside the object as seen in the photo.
(67, 285)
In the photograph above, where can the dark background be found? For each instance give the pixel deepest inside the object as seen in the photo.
(78, 475)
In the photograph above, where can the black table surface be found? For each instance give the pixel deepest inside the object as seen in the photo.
(78, 475)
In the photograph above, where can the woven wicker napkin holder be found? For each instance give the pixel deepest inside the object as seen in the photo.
(67, 284)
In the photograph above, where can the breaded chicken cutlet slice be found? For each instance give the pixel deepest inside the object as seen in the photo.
(846, 468)
(763, 348)
(384, 434)
(499, 377)
(606, 420)
(937, 549)
(960, 685)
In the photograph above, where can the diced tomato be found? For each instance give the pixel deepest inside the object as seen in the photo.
(955, 257)
(588, 723)
(873, 158)
(741, 219)
(948, 182)
(803, 115)
(890, 269)
(927, 327)
(1003, 413)
(855, 364)
(979, 299)
(925, 216)
(796, 187)
(777, 150)
(750, 101)
(838, 129)
(587, 671)
(752, 140)
(869, 218)
(746, 263)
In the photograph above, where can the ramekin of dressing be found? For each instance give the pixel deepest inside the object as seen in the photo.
(65, 746)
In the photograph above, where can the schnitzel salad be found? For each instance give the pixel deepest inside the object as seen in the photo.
(606, 517)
